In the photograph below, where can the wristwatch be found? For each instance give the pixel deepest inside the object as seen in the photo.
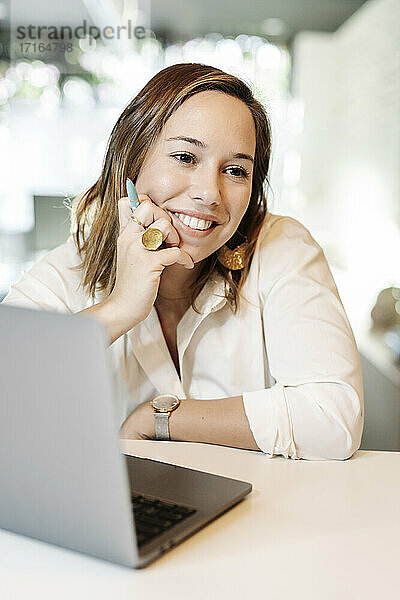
(163, 406)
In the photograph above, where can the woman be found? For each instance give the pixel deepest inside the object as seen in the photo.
(236, 313)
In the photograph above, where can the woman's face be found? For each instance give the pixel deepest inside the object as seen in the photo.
(202, 164)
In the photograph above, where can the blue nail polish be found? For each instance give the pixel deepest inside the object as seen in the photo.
(132, 194)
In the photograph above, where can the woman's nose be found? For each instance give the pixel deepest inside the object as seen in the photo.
(205, 186)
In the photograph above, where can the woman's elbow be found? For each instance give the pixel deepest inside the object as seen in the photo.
(346, 448)
(336, 447)
(349, 431)
(336, 434)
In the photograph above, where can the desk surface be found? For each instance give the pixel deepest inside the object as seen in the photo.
(309, 529)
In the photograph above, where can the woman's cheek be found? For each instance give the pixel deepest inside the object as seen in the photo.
(165, 186)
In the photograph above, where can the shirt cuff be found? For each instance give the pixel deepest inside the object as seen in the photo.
(270, 421)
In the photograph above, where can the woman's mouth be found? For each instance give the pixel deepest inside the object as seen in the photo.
(191, 226)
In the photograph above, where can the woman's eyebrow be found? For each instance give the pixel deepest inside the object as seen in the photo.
(183, 138)
(200, 144)
(244, 156)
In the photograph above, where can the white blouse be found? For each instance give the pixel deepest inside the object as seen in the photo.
(289, 351)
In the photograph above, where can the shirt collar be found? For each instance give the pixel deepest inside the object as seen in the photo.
(212, 295)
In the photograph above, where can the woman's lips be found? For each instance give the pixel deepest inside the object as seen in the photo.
(188, 231)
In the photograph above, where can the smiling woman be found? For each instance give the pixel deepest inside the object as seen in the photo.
(250, 335)
(161, 136)
(205, 174)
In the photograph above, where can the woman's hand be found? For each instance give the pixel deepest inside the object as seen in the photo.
(138, 269)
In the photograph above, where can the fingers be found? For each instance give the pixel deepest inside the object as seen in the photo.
(170, 256)
(149, 214)
(170, 235)
(124, 213)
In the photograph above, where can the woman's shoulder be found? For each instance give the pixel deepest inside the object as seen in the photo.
(52, 282)
(285, 245)
(280, 229)
(62, 258)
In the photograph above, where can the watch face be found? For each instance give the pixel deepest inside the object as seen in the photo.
(165, 403)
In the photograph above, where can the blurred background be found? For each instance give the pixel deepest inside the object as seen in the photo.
(328, 72)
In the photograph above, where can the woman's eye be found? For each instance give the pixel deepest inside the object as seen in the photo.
(184, 157)
(190, 159)
(239, 172)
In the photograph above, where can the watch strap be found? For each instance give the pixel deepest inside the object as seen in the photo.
(162, 425)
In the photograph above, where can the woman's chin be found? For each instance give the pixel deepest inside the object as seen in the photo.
(195, 254)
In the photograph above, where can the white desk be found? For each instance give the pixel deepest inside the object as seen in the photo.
(309, 530)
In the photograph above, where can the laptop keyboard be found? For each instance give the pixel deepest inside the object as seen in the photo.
(153, 517)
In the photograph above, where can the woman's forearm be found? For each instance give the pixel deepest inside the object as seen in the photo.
(222, 421)
(105, 312)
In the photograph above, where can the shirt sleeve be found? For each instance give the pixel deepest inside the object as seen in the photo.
(315, 408)
(50, 284)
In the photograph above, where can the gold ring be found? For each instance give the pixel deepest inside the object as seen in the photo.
(137, 221)
(152, 238)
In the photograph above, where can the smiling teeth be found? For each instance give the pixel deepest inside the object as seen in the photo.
(194, 223)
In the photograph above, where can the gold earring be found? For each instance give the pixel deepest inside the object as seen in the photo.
(233, 259)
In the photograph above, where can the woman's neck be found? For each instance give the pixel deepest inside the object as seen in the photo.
(175, 282)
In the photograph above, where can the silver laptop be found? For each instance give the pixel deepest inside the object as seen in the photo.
(63, 478)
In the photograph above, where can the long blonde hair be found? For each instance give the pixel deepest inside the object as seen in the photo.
(136, 130)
